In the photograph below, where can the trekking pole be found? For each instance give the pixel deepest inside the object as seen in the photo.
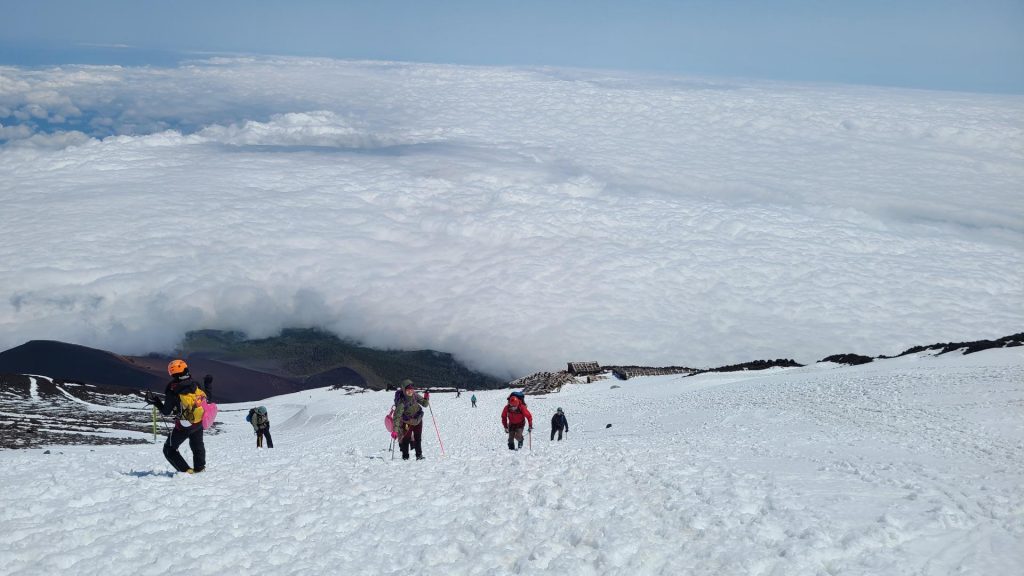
(435, 428)
(154, 424)
(530, 434)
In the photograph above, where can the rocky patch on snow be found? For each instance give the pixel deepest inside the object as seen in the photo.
(40, 411)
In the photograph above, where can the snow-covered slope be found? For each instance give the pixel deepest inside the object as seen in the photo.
(903, 466)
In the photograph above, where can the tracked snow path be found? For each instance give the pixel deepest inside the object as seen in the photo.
(907, 466)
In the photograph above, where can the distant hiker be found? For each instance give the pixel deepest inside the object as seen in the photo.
(559, 423)
(261, 425)
(473, 400)
(458, 393)
(208, 387)
(514, 418)
(408, 419)
(185, 399)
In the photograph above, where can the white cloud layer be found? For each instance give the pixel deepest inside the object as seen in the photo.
(519, 218)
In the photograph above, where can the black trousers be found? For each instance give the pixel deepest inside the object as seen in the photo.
(259, 437)
(413, 436)
(559, 430)
(194, 435)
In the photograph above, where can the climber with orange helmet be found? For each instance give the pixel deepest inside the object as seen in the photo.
(514, 418)
(185, 399)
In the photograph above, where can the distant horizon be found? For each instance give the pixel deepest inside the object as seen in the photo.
(131, 56)
(949, 45)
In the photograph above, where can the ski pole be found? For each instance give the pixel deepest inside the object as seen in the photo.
(154, 424)
(530, 434)
(435, 428)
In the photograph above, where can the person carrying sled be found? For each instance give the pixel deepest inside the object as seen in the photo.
(261, 425)
(185, 399)
(408, 419)
(559, 423)
(514, 418)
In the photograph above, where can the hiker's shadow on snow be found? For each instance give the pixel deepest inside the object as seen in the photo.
(149, 474)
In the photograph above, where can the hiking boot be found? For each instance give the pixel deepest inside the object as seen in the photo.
(520, 444)
(418, 457)
(511, 446)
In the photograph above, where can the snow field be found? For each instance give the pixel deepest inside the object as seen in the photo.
(904, 466)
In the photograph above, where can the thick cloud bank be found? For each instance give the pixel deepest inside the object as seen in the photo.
(519, 218)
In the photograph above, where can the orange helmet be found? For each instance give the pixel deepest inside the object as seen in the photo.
(177, 367)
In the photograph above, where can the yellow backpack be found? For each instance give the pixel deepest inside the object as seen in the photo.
(193, 405)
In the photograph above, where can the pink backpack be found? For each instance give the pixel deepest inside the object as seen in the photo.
(209, 413)
(389, 423)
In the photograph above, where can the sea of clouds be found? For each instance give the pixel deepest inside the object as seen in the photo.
(519, 218)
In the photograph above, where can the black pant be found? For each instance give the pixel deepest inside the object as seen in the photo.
(259, 437)
(194, 435)
(515, 433)
(559, 430)
(412, 436)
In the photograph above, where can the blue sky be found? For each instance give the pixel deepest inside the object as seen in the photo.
(942, 44)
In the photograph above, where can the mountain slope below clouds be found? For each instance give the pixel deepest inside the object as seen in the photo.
(74, 363)
(321, 358)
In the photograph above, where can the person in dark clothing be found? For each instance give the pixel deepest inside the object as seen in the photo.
(208, 388)
(261, 425)
(559, 423)
(408, 420)
(182, 398)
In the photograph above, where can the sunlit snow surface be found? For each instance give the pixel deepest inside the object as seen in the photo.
(905, 466)
(519, 218)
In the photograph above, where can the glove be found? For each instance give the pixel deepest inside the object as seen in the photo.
(506, 429)
(426, 395)
(531, 429)
(150, 397)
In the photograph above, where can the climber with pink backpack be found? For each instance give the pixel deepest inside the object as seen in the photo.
(186, 400)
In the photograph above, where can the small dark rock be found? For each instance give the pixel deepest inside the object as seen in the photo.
(607, 425)
(851, 359)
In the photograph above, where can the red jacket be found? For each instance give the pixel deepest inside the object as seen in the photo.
(516, 417)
